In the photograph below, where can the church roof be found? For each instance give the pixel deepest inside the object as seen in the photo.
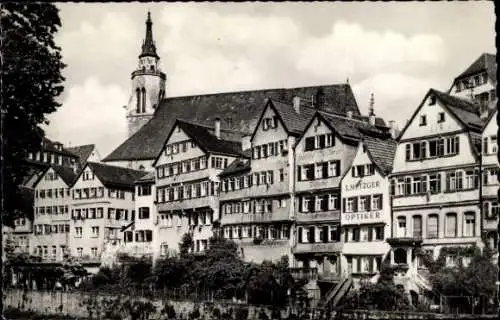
(238, 111)
(149, 47)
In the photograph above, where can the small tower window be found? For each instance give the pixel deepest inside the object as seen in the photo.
(152, 68)
(143, 91)
(138, 97)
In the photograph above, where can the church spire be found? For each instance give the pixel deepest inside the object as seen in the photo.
(148, 46)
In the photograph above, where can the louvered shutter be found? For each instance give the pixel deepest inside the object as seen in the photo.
(343, 204)
(325, 169)
(311, 204)
(368, 203)
(337, 167)
(457, 145)
(301, 207)
(355, 205)
(324, 204)
(299, 173)
(447, 182)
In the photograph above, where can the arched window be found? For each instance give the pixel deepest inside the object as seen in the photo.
(138, 98)
(451, 225)
(432, 226)
(152, 68)
(143, 92)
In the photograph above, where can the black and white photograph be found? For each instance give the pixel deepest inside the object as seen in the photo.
(249, 160)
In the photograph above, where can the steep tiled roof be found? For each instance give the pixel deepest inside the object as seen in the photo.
(238, 111)
(113, 176)
(206, 139)
(67, 174)
(352, 128)
(294, 121)
(466, 111)
(238, 165)
(148, 177)
(381, 152)
(82, 152)
(485, 62)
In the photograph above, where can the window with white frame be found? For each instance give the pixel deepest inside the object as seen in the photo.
(469, 224)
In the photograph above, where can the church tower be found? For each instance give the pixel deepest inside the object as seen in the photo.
(148, 84)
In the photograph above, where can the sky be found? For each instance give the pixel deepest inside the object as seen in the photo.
(397, 51)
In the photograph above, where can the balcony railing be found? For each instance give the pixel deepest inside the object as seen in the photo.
(304, 273)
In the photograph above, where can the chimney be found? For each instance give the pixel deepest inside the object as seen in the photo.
(217, 128)
(296, 104)
(392, 128)
(245, 143)
(349, 114)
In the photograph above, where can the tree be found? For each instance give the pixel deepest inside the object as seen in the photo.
(384, 295)
(31, 82)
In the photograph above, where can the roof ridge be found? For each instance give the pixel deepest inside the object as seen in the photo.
(111, 166)
(209, 127)
(257, 90)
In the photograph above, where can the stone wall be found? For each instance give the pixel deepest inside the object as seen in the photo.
(72, 303)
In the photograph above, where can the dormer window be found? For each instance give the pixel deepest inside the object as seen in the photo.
(423, 120)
